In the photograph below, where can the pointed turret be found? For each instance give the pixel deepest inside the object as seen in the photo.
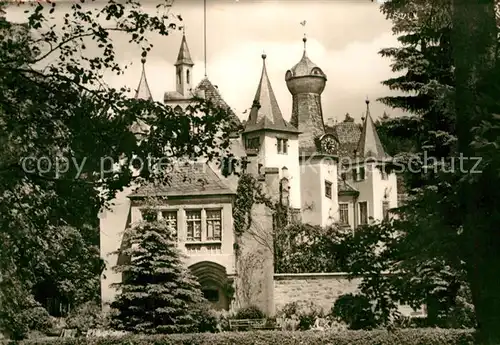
(184, 57)
(183, 69)
(265, 112)
(143, 91)
(369, 145)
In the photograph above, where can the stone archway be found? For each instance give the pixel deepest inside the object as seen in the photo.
(214, 282)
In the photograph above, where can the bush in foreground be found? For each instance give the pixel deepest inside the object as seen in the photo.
(402, 337)
(157, 293)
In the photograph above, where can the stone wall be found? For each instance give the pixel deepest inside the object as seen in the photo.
(321, 288)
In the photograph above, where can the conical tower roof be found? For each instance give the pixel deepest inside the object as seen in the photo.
(143, 91)
(265, 113)
(184, 57)
(369, 145)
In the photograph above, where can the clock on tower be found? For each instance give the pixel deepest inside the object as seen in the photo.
(328, 144)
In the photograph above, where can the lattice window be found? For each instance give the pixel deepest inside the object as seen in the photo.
(193, 220)
(214, 225)
(344, 213)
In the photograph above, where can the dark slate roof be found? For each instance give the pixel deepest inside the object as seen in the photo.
(265, 113)
(348, 134)
(191, 180)
(184, 57)
(370, 145)
(211, 93)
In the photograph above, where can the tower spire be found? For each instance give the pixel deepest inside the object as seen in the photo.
(183, 68)
(369, 145)
(265, 112)
(184, 56)
(143, 91)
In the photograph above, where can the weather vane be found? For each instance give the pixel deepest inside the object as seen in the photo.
(303, 23)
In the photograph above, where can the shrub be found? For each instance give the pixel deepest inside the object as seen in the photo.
(305, 312)
(428, 336)
(355, 311)
(251, 312)
(206, 319)
(85, 317)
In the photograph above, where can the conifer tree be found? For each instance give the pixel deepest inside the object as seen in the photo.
(157, 294)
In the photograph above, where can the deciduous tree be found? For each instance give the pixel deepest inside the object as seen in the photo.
(56, 108)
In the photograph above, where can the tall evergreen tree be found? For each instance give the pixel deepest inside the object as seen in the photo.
(476, 57)
(426, 80)
(450, 55)
(158, 294)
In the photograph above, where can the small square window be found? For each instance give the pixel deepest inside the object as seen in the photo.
(328, 189)
(282, 145)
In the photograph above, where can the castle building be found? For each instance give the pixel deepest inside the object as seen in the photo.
(324, 174)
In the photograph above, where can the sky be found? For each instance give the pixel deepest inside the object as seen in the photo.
(344, 37)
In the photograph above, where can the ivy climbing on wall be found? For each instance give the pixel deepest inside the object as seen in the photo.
(248, 193)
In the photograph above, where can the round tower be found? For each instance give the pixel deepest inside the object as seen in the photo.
(306, 81)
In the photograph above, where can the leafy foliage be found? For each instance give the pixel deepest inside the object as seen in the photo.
(158, 293)
(431, 336)
(56, 108)
(449, 66)
(86, 316)
(248, 193)
(250, 312)
(306, 312)
(303, 248)
(354, 310)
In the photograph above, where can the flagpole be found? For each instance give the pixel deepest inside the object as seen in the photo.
(205, 34)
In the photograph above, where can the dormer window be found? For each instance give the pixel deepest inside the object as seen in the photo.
(316, 71)
(282, 145)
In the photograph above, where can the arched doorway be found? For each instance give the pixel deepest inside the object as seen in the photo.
(214, 282)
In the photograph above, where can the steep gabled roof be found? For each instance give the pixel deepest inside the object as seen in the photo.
(265, 112)
(345, 188)
(348, 134)
(192, 180)
(143, 91)
(369, 145)
(212, 94)
(184, 57)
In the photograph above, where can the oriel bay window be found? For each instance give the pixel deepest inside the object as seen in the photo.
(193, 225)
